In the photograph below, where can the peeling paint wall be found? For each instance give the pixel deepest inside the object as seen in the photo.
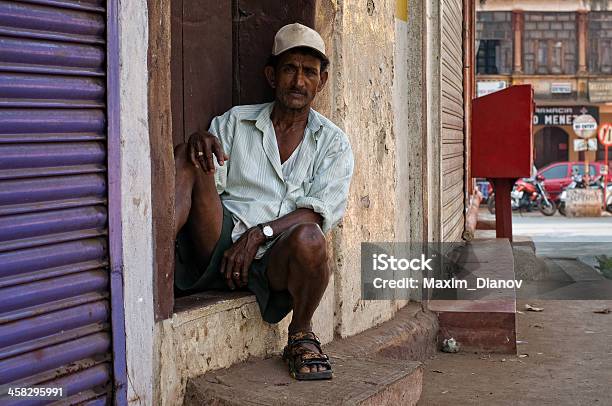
(372, 78)
(136, 201)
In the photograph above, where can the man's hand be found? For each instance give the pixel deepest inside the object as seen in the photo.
(201, 147)
(237, 259)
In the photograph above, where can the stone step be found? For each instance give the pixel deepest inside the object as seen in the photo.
(410, 335)
(477, 322)
(208, 331)
(579, 271)
(357, 381)
(573, 280)
(374, 367)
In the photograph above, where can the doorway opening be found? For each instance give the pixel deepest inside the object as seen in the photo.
(218, 54)
(551, 145)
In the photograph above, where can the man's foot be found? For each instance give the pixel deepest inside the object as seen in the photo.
(305, 358)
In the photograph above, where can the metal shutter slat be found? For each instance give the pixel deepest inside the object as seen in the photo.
(85, 5)
(76, 384)
(53, 323)
(54, 277)
(49, 290)
(32, 225)
(51, 20)
(452, 117)
(52, 357)
(49, 307)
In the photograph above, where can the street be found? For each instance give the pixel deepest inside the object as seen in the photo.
(562, 237)
(564, 357)
(564, 351)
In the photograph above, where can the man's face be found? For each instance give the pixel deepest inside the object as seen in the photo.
(296, 80)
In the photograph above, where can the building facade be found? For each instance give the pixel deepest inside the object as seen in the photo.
(563, 49)
(95, 94)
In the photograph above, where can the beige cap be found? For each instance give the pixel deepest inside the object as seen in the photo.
(297, 35)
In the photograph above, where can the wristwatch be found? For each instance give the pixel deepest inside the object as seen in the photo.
(266, 230)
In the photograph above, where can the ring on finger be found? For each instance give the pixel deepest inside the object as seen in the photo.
(236, 274)
(200, 153)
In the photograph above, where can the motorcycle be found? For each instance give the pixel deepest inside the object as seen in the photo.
(579, 182)
(528, 194)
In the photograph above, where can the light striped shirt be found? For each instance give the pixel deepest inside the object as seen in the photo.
(256, 188)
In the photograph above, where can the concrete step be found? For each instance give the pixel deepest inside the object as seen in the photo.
(482, 321)
(375, 367)
(209, 331)
(579, 271)
(410, 335)
(357, 381)
(572, 280)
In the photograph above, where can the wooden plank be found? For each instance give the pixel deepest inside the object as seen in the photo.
(207, 62)
(162, 158)
(257, 22)
(176, 68)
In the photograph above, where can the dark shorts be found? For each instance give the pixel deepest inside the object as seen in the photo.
(192, 276)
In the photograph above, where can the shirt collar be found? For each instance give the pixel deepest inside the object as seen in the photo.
(262, 120)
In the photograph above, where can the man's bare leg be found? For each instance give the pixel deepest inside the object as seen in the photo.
(197, 203)
(298, 263)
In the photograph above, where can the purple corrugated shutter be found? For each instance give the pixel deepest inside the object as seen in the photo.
(54, 265)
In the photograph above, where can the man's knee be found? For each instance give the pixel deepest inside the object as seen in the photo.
(308, 244)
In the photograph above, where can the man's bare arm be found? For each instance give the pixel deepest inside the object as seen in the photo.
(298, 216)
(238, 258)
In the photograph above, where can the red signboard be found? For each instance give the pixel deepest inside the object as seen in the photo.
(502, 134)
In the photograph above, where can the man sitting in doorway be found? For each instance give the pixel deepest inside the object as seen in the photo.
(255, 195)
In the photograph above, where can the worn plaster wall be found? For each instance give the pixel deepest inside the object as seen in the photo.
(432, 168)
(408, 127)
(416, 123)
(136, 201)
(361, 38)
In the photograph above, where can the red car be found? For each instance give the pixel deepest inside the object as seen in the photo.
(559, 174)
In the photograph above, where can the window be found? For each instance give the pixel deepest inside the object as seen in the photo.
(487, 59)
(605, 55)
(600, 42)
(550, 57)
(579, 169)
(549, 43)
(542, 59)
(556, 60)
(494, 42)
(556, 172)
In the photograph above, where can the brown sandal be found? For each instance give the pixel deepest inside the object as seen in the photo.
(298, 356)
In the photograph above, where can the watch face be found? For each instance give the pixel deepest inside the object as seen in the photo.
(267, 230)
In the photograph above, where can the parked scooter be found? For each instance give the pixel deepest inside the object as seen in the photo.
(579, 182)
(528, 194)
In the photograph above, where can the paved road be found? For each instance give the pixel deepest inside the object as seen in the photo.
(563, 237)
